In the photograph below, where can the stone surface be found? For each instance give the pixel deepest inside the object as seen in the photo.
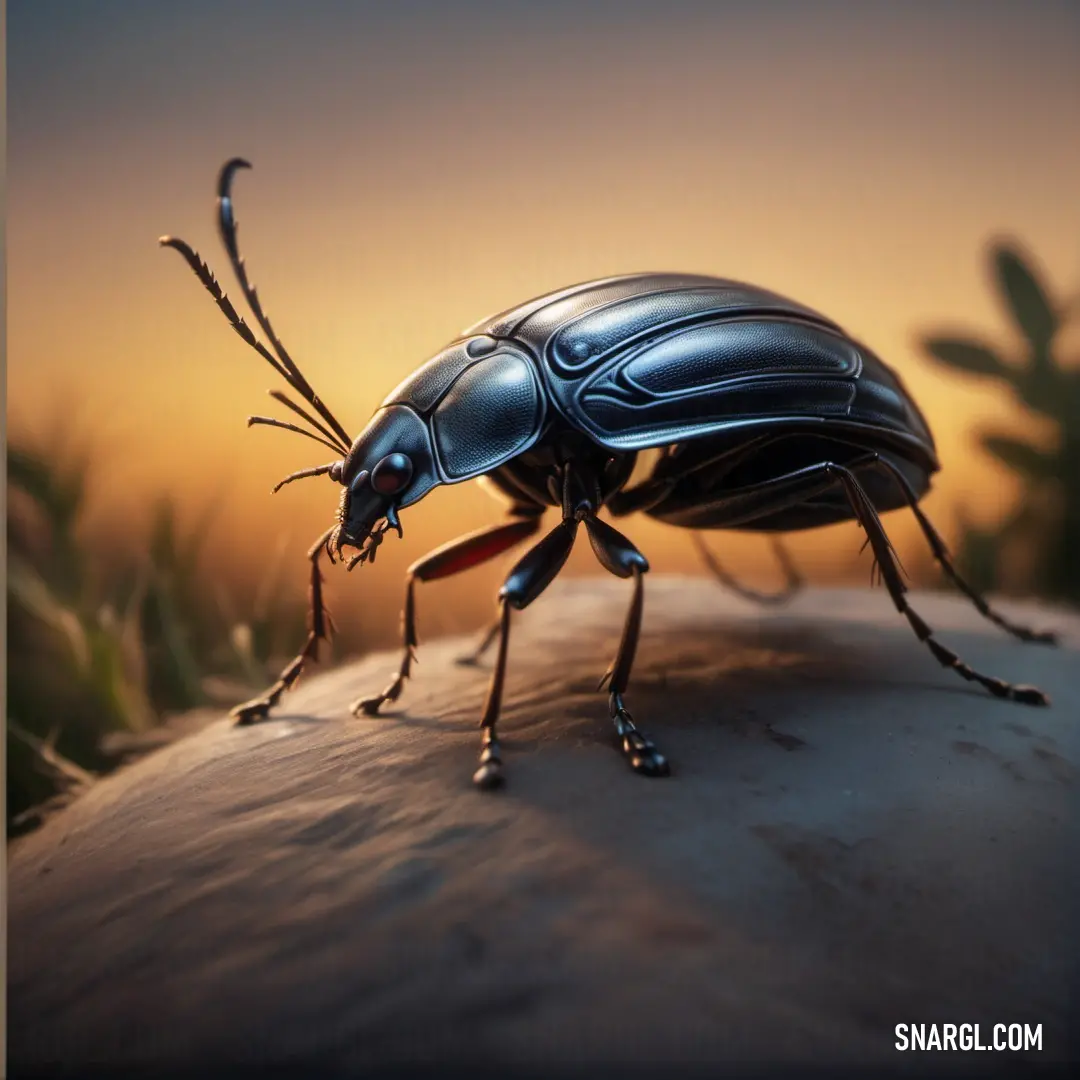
(852, 838)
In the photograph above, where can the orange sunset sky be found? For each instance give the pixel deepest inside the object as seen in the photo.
(419, 165)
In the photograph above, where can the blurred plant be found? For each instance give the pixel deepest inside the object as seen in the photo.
(104, 641)
(1045, 524)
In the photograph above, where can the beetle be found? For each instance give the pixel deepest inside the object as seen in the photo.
(763, 414)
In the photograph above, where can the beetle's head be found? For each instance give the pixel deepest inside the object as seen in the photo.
(370, 500)
(390, 465)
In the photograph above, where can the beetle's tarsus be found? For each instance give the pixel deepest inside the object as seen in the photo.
(490, 774)
(489, 777)
(1029, 695)
(370, 706)
(640, 752)
(251, 712)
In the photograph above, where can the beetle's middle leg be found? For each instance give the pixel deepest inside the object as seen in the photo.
(531, 575)
(619, 556)
(452, 558)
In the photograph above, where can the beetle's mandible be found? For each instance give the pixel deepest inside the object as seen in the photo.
(766, 416)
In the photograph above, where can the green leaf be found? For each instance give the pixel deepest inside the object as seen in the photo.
(1021, 457)
(1045, 389)
(967, 355)
(29, 472)
(26, 587)
(1026, 298)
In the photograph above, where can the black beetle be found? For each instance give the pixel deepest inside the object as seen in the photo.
(767, 416)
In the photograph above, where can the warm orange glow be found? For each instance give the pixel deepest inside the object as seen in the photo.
(407, 183)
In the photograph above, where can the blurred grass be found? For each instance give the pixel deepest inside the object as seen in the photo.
(114, 640)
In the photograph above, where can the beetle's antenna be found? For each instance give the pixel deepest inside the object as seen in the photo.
(320, 470)
(206, 276)
(270, 421)
(277, 395)
(236, 321)
(228, 226)
(283, 363)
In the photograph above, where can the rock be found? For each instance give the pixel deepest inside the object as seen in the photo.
(852, 838)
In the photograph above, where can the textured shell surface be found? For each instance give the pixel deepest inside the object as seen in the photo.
(482, 401)
(648, 359)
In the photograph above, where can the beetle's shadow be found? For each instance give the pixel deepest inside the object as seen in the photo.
(796, 652)
(714, 672)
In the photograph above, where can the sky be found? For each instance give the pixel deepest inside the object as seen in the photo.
(419, 165)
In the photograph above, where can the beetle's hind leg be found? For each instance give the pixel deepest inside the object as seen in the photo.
(618, 555)
(792, 585)
(473, 658)
(941, 553)
(321, 624)
(867, 516)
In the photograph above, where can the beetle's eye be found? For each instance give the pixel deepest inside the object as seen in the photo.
(391, 474)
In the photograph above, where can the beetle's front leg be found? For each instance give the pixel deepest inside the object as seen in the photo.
(371, 705)
(258, 708)
(619, 556)
(535, 571)
(461, 554)
(640, 751)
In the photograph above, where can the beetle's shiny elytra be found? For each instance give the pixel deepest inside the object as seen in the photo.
(655, 360)
(761, 414)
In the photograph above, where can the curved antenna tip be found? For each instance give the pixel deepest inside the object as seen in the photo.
(226, 175)
(184, 248)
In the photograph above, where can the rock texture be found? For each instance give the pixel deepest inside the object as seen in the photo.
(853, 838)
